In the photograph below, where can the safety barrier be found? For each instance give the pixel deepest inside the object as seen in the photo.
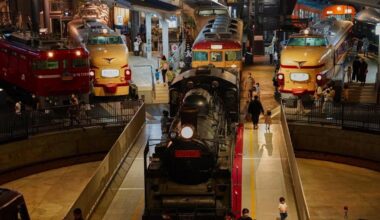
(302, 209)
(102, 182)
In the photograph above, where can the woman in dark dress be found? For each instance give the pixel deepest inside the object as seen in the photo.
(255, 108)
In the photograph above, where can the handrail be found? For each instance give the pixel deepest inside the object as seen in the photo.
(105, 174)
(302, 208)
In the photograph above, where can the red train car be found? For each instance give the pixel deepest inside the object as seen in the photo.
(340, 12)
(47, 71)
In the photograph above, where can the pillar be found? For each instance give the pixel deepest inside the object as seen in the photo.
(135, 24)
(165, 37)
(148, 31)
(47, 15)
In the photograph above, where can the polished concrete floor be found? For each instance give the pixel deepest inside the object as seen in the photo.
(331, 186)
(50, 194)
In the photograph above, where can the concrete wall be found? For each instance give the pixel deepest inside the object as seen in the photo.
(353, 144)
(58, 146)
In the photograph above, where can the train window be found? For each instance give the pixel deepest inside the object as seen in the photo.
(46, 65)
(211, 12)
(200, 56)
(216, 56)
(232, 55)
(105, 40)
(80, 63)
(307, 41)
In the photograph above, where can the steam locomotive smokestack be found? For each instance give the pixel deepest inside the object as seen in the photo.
(35, 16)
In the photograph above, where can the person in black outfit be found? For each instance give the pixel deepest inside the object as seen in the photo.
(363, 72)
(255, 108)
(356, 69)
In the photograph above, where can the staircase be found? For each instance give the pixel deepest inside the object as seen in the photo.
(161, 94)
(362, 94)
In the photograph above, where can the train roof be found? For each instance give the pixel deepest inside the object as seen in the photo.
(205, 72)
(221, 29)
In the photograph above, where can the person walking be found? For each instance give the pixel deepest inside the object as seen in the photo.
(245, 215)
(356, 69)
(283, 208)
(249, 83)
(363, 72)
(74, 110)
(255, 108)
(136, 47)
(170, 75)
(157, 76)
(268, 120)
(365, 46)
(164, 66)
(349, 74)
(18, 108)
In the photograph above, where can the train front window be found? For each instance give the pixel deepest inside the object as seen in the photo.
(216, 56)
(46, 65)
(307, 41)
(80, 63)
(212, 12)
(200, 56)
(105, 40)
(232, 55)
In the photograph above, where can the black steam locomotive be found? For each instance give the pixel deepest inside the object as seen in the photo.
(189, 174)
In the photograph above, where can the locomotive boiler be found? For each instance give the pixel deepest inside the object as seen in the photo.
(189, 173)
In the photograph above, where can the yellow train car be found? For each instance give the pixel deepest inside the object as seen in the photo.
(313, 57)
(110, 73)
(219, 44)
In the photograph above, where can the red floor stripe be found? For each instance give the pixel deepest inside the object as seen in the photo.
(236, 177)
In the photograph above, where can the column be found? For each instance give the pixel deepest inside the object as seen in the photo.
(165, 37)
(135, 24)
(148, 30)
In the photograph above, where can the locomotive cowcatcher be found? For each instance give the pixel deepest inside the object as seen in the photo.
(189, 174)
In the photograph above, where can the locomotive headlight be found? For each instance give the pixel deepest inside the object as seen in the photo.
(319, 77)
(78, 53)
(187, 132)
(306, 31)
(50, 54)
(280, 76)
(92, 73)
(233, 65)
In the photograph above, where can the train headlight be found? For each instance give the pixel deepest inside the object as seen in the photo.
(127, 72)
(233, 65)
(78, 53)
(50, 54)
(280, 76)
(92, 73)
(319, 77)
(187, 132)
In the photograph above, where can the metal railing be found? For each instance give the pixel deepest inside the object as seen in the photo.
(100, 190)
(302, 208)
(21, 126)
(353, 116)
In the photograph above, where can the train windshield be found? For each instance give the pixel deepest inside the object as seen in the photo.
(232, 55)
(200, 56)
(105, 40)
(307, 41)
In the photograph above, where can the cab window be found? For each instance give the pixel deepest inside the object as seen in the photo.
(80, 63)
(200, 56)
(232, 55)
(216, 56)
(46, 65)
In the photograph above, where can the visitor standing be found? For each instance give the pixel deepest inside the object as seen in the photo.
(245, 215)
(349, 74)
(356, 69)
(283, 208)
(136, 47)
(365, 46)
(164, 66)
(363, 72)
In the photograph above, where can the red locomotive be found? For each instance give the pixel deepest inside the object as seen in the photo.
(46, 68)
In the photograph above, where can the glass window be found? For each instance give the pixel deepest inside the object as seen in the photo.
(105, 40)
(216, 56)
(307, 41)
(46, 65)
(200, 56)
(220, 12)
(205, 12)
(211, 12)
(80, 63)
(232, 55)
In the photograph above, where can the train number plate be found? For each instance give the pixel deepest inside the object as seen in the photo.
(299, 77)
(109, 73)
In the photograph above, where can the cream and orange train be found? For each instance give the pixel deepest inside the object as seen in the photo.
(219, 44)
(313, 57)
(110, 72)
